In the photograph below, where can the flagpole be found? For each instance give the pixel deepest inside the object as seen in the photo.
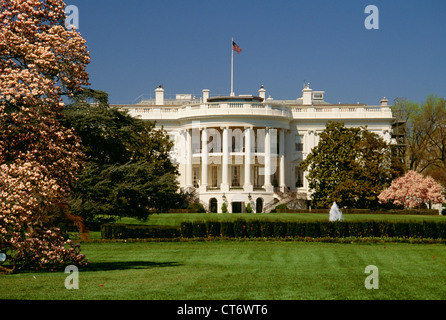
(232, 68)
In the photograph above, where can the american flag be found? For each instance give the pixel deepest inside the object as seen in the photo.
(235, 47)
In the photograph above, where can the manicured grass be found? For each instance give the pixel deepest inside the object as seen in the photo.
(242, 270)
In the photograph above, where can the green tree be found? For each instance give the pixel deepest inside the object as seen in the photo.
(350, 166)
(424, 133)
(128, 171)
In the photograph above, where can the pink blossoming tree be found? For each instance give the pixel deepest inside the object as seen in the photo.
(40, 62)
(412, 190)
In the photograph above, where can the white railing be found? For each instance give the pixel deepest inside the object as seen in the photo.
(242, 108)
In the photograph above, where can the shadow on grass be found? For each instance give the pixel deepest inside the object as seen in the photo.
(119, 265)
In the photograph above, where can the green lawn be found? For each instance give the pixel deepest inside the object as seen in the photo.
(242, 270)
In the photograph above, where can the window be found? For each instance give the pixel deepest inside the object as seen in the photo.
(259, 178)
(196, 175)
(235, 176)
(299, 177)
(299, 142)
(214, 177)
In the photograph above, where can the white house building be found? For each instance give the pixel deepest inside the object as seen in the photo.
(247, 149)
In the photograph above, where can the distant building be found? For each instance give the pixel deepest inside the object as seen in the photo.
(248, 149)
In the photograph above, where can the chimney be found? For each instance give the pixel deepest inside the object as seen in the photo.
(384, 102)
(205, 95)
(159, 96)
(262, 92)
(307, 95)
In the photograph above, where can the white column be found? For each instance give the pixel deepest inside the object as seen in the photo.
(189, 178)
(225, 163)
(268, 186)
(204, 160)
(248, 183)
(282, 160)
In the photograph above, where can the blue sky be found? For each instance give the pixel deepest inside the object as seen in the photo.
(185, 45)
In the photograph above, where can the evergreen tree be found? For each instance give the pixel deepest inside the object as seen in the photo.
(128, 171)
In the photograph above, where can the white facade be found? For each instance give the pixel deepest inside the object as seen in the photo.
(253, 146)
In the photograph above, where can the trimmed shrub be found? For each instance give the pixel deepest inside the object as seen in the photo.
(122, 231)
(196, 207)
(401, 229)
(213, 228)
(416, 230)
(227, 229)
(429, 229)
(326, 229)
(240, 228)
(441, 230)
(312, 229)
(199, 229)
(266, 229)
(340, 229)
(254, 228)
(355, 229)
(386, 229)
(186, 230)
(279, 229)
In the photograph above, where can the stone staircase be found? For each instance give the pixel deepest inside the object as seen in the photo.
(294, 200)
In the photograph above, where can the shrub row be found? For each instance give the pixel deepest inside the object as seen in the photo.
(123, 231)
(279, 229)
(365, 211)
(314, 229)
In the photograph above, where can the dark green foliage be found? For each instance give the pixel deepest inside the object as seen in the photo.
(240, 228)
(279, 229)
(340, 229)
(401, 229)
(199, 229)
(266, 229)
(213, 228)
(254, 228)
(350, 166)
(186, 229)
(227, 229)
(196, 208)
(128, 171)
(312, 229)
(121, 231)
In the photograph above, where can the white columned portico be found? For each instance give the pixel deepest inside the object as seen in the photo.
(248, 187)
(189, 178)
(224, 187)
(268, 186)
(282, 184)
(204, 160)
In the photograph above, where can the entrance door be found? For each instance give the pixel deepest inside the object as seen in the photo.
(236, 207)
(259, 205)
(213, 205)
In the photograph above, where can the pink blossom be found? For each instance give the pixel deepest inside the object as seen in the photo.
(412, 190)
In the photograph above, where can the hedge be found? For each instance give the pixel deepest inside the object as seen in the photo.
(315, 229)
(430, 212)
(123, 231)
(280, 229)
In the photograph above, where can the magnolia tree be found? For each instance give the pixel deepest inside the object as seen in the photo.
(412, 190)
(40, 62)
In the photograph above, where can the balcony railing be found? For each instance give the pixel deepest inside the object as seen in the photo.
(266, 109)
